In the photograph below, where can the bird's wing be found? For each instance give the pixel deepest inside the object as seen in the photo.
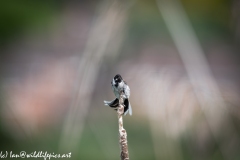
(127, 91)
(127, 108)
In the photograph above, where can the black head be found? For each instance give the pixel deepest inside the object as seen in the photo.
(118, 78)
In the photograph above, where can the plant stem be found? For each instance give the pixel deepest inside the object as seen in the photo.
(122, 132)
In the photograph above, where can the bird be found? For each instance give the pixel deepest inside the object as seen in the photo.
(118, 86)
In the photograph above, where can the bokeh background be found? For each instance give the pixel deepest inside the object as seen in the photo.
(179, 57)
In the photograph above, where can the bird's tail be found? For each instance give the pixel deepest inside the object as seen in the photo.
(113, 104)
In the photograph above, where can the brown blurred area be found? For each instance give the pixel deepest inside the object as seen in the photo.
(180, 59)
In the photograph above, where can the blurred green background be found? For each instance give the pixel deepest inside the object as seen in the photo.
(180, 59)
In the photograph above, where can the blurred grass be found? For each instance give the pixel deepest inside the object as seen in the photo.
(210, 19)
(17, 17)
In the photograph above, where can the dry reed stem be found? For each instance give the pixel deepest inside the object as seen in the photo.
(122, 132)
